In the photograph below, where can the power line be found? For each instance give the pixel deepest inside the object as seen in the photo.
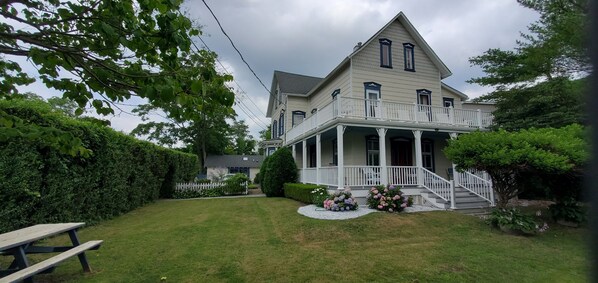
(236, 49)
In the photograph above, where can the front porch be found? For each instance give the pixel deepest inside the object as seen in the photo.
(361, 157)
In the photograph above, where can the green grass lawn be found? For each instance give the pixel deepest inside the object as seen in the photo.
(266, 240)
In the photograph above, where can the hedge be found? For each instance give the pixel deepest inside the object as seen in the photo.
(300, 192)
(40, 184)
(280, 168)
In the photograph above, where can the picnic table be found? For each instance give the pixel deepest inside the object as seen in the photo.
(20, 243)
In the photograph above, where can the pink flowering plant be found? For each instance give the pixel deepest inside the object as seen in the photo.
(341, 201)
(389, 199)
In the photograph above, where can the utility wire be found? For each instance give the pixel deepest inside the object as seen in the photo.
(236, 49)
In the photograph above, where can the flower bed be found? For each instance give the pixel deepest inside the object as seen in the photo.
(341, 201)
(389, 199)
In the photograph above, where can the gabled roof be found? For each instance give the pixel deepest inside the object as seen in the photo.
(419, 40)
(289, 83)
(463, 95)
(225, 161)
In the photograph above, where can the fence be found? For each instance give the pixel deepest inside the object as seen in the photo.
(186, 190)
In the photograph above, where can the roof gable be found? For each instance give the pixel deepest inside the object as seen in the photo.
(290, 83)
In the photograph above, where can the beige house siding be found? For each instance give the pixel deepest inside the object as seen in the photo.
(323, 97)
(445, 92)
(398, 85)
(295, 103)
(476, 106)
(441, 163)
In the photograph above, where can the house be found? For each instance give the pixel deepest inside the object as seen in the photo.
(220, 165)
(382, 116)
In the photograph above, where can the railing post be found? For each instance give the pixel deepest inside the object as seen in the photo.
(453, 206)
(480, 119)
(491, 195)
(415, 112)
(452, 115)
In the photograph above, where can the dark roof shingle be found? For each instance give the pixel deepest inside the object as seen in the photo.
(225, 161)
(295, 83)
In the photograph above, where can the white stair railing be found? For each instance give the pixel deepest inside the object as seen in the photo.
(476, 185)
(436, 184)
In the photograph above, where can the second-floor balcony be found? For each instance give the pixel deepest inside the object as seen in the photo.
(379, 113)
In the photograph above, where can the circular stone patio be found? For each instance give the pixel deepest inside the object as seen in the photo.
(312, 211)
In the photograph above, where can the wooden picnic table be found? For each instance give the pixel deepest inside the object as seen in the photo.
(21, 242)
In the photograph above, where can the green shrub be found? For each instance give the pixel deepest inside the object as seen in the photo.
(568, 210)
(301, 192)
(280, 169)
(39, 184)
(257, 179)
(513, 220)
(318, 196)
(236, 185)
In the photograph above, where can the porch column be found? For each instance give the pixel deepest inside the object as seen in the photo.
(418, 156)
(304, 161)
(455, 176)
(340, 151)
(455, 180)
(383, 170)
(318, 157)
(293, 152)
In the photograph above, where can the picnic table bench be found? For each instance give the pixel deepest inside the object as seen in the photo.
(19, 243)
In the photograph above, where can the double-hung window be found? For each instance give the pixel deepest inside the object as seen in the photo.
(281, 124)
(274, 129)
(372, 147)
(409, 57)
(385, 53)
(298, 117)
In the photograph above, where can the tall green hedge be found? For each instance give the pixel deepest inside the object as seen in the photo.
(39, 184)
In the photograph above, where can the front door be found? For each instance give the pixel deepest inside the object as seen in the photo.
(401, 152)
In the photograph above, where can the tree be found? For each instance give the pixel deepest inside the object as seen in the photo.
(264, 136)
(241, 142)
(280, 168)
(202, 129)
(98, 53)
(539, 72)
(66, 106)
(507, 156)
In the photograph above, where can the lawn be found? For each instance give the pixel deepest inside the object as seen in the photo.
(266, 240)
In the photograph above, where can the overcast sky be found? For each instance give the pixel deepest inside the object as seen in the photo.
(311, 37)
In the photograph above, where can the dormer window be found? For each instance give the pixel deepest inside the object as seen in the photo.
(385, 53)
(298, 117)
(409, 58)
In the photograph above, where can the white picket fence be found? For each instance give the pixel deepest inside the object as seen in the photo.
(198, 187)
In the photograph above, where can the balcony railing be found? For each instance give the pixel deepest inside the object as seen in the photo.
(366, 109)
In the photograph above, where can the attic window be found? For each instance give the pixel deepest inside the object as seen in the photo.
(385, 53)
(409, 58)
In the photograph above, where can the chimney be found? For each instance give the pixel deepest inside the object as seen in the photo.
(357, 46)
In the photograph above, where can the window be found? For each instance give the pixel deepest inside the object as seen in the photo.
(372, 99)
(372, 147)
(334, 152)
(270, 151)
(298, 117)
(385, 53)
(409, 59)
(281, 124)
(424, 97)
(428, 154)
(274, 129)
(335, 93)
(236, 170)
(448, 102)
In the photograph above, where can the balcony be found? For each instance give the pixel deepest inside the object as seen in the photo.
(379, 112)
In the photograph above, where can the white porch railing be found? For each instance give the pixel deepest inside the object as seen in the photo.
(436, 184)
(476, 185)
(362, 175)
(402, 175)
(329, 176)
(356, 108)
(309, 175)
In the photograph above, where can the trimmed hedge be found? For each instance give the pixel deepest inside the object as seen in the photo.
(300, 192)
(39, 184)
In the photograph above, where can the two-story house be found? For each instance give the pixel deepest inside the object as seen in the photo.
(382, 116)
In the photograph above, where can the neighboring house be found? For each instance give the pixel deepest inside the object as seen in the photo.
(220, 165)
(382, 116)
(482, 105)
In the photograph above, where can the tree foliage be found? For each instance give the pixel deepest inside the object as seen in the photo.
(278, 169)
(534, 82)
(241, 142)
(98, 53)
(508, 155)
